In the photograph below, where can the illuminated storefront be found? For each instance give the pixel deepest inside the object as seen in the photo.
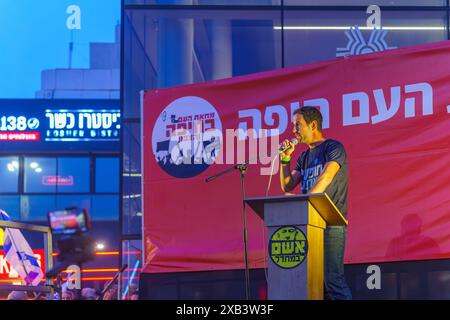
(60, 118)
(58, 154)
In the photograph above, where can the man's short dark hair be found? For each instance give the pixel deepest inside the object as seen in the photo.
(310, 114)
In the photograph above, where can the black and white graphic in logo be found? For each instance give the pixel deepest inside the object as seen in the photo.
(187, 137)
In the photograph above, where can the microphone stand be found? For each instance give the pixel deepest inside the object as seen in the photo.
(242, 167)
(242, 170)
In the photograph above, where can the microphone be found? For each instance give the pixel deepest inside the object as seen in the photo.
(293, 141)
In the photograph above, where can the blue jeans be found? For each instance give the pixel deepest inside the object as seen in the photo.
(336, 287)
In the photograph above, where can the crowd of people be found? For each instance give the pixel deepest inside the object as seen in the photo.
(83, 294)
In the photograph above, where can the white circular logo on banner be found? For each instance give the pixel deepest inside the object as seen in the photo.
(187, 137)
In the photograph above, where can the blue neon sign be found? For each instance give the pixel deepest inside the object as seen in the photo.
(47, 125)
(82, 125)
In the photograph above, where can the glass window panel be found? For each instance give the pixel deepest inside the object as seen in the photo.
(107, 174)
(438, 285)
(423, 27)
(9, 174)
(205, 2)
(11, 205)
(36, 239)
(132, 256)
(132, 156)
(131, 180)
(73, 175)
(225, 44)
(105, 208)
(132, 213)
(138, 56)
(292, 2)
(40, 174)
(365, 2)
(316, 35)
(80, 201)
(36, 208)
(106, 232)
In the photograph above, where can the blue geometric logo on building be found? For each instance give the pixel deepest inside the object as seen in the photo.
(357, 44)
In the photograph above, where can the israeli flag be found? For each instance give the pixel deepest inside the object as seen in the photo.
(19, 254)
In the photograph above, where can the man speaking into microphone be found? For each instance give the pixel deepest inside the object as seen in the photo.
(321, 168)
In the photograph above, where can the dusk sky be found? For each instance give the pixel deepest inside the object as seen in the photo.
(34, 37)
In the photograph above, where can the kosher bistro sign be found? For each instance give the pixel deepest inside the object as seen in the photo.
(77, 127)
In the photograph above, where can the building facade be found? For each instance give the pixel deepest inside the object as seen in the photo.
(178, 42)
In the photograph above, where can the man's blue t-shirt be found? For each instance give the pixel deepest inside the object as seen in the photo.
(311, 164)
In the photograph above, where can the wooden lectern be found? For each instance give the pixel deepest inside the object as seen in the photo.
(295, 244)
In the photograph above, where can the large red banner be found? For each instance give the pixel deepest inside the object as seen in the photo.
(391, 110)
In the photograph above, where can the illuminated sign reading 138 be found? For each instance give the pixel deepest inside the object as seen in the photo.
(20, 123)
